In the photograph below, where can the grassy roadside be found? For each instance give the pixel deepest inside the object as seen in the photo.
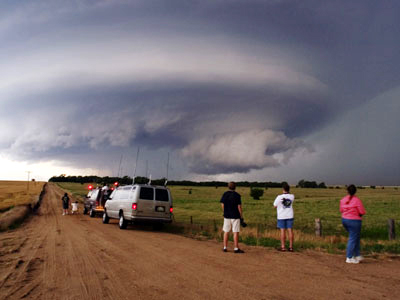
(16, 193)
(17, 202)
(197, 213)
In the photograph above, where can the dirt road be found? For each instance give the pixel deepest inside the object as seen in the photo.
(76, 257)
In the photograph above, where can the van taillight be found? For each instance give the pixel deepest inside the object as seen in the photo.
(134, 206)
(171, 210)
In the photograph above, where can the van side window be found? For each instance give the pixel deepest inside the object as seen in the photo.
(161, 195)
(146, 193)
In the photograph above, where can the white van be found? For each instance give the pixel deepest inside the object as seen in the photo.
(139, 202)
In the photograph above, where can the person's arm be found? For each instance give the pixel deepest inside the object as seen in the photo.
(222, 202)
(360, 208)
(240, 211)
(276, 202)
(341, 209)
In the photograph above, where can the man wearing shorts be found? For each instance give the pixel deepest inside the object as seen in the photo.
(232, 207)
(284, 207)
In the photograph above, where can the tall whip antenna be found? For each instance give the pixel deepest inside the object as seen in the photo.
(120, 162)
(134, 172)
(166, 178)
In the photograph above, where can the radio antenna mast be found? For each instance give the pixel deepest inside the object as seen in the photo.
(120, 162)
(134, 172)
(166, 178)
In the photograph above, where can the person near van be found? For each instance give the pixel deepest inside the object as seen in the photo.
(285, 215)
(352, 211)
(65, 203)
(232, 207)
(74, 207)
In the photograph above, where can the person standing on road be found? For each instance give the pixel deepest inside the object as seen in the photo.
(285, 215)
(232, 207)
(65, 202)
(352, 211)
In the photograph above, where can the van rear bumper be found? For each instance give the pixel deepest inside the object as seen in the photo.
(151, 219)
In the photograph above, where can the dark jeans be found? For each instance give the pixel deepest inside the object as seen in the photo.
(353, 227)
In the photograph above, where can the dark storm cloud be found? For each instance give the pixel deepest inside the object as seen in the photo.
(229, 86)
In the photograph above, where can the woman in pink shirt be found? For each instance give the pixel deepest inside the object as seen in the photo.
(352, 211)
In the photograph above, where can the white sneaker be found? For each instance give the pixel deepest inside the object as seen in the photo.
(63, 214)
(352, 260)
(359, 258)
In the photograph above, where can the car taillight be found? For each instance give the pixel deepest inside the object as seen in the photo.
(134, 206)
(171, 209)
(97, 203)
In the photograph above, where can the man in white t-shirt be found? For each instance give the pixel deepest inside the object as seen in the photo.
(284, 207)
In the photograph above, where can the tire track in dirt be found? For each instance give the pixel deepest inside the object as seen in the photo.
(77, 257)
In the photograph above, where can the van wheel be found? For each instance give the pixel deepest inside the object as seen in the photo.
(85, 210)
(106, 218)
(92, 213)
(122, 222)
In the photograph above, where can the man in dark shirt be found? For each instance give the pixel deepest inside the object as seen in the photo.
(232, 207)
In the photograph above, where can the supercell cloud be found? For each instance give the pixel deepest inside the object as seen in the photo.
(230, 88)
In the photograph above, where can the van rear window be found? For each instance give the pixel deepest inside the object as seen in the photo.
(146, 193)
(161, 195)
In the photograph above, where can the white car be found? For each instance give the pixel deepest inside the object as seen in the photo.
(139, 202)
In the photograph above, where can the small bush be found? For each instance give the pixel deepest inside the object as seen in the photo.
(256, 193)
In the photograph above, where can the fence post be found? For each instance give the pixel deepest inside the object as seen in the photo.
(391, 226)
(258, 232)
(191, 220)
(318, 227)
(215, 226)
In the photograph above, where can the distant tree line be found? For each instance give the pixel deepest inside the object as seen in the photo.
(128, 180)
(311, 184)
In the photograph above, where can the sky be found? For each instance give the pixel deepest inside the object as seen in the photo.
(273, 90)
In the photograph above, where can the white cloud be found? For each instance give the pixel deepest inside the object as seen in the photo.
(254, 149)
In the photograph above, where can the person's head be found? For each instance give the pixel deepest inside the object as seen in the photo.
(351, 189)
(232, 186)
(65, 194)
(285, 187)
(76, 201)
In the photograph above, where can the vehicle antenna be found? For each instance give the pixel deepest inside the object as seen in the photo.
(166, 178)
(134, 172)
(120, 162)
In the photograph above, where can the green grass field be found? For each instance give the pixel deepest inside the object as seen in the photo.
(201, 204)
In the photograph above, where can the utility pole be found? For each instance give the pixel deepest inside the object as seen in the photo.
(27, 188)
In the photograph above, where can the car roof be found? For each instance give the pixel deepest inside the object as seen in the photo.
(143, 185)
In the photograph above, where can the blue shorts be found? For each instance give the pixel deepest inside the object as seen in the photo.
(285, 223)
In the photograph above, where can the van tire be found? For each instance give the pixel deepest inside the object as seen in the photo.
(92, 213)
(106, 218)
(85, 210)
(122, 222)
